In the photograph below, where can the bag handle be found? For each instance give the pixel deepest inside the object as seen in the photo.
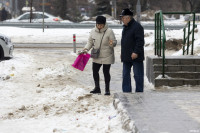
(102, 39)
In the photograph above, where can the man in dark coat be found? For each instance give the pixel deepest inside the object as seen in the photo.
(132, 52)
(4, 14)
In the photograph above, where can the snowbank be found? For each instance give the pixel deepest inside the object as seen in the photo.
(196, 45)
(42, 95)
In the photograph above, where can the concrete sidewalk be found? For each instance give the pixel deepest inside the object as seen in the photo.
(169, 111)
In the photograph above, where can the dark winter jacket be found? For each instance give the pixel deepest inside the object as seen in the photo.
(4, 14)
(132, 42)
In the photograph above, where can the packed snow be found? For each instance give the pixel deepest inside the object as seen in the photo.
(39, 93)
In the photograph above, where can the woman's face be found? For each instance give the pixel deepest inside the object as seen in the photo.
(100, 26)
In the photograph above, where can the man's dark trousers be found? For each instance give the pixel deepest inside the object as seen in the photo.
(138, 70)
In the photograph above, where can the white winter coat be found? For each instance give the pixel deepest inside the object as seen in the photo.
(106, 55)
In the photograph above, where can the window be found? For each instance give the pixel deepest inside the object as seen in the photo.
(26, 16)
(40, 16)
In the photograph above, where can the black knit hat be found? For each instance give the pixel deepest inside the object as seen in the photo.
(100, 20)
(126, 12)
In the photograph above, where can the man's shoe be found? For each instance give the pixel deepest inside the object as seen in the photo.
(107, 93)
(96, 90)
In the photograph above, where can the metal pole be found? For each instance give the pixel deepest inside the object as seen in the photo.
(160, 35)
(74, 42)
(16, 8)
(188, 39)
(43, 15)
(155, 34)
(112, 8)
(194, 18)
(138, 10)
(115, 9)
(11, 8)
(158, 50)
(31, 11)
(184, 41)
(158, 15)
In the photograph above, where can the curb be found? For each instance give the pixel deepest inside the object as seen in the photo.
(127, 123)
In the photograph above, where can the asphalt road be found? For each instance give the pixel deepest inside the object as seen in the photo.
(80, 26)
(48, 45)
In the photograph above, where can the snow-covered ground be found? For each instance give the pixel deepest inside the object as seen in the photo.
(40, 92)
(28, 35)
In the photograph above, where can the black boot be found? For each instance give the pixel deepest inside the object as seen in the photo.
(107, 90)
(107, 93)
(96, 89)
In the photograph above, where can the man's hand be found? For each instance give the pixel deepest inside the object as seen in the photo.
(134, 56)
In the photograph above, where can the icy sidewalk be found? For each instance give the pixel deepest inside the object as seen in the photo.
(169, 111)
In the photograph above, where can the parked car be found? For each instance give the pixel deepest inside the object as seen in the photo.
(6, 47)
(190, 17)
(36, 17)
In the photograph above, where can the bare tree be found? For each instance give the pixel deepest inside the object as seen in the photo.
(103, 7)
(198, 7)
(59, 8)
(193, 4)
(121, 4)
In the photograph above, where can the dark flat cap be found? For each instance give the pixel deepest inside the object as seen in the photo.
(126, 12)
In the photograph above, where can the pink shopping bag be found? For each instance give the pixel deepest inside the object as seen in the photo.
(81, 61)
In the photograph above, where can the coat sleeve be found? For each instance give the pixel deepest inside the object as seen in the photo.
(89, 42)
(112, 37)
(139, 36)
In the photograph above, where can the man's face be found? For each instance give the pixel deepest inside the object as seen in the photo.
(126, 19)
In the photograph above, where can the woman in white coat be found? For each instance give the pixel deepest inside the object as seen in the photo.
(103, 38)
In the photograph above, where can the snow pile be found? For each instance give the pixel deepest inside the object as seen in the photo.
(29, 35)
(109, 20)
(147, 15)
(196, 45)
(94, 22)
(85, 17)
(66, 21)
(10, 68)
(59, 69)
(128, 124)
(149, 39)
(45, 98)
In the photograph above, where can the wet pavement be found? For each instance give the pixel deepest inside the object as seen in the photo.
(163, 111)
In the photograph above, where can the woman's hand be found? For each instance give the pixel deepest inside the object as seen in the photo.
(111, 42)
(84, 51)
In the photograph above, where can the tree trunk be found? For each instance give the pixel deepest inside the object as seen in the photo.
(184, 4)
(31, 12)
(63, 5)
(191, 5)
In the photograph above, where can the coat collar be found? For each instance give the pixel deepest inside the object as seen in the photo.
(130, 23)
(102, 30)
